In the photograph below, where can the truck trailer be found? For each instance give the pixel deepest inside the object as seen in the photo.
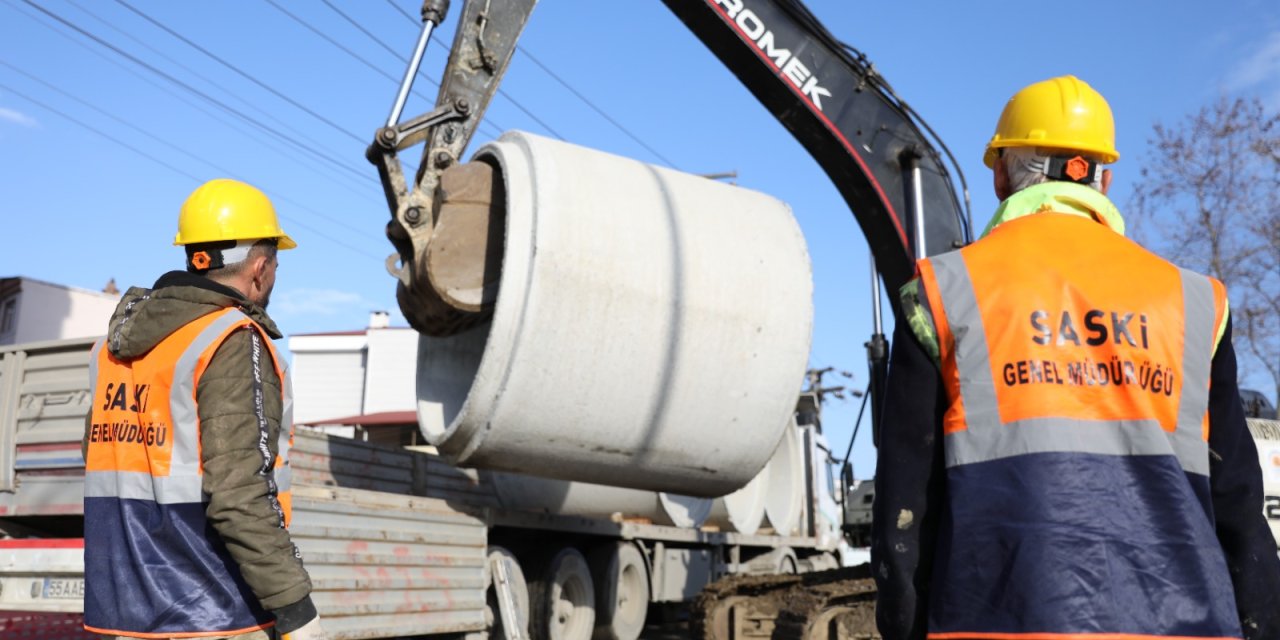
(400, 543)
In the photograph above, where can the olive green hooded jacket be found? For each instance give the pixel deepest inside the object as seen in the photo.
(239, 507)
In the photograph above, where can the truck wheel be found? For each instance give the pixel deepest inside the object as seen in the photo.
(519, 590)
(563, 598)
(622, 591)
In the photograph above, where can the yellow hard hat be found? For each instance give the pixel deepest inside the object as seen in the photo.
(1060, 113)
(224, 209)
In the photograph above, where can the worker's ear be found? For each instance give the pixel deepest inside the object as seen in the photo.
(260, 268)
(1106, 180)
(1000, 179)
(260, 265)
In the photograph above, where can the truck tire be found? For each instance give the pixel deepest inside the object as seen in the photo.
(519, 589)
(622, 591)
(562, 598)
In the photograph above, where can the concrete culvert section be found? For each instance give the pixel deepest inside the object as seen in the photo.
(784, 492)
(743, 510)
(651, 328)
(564, 498)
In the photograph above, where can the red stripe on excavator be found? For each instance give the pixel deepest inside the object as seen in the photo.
(893, 215)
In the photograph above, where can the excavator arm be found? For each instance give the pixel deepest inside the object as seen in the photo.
(482, 48)
(836, 105)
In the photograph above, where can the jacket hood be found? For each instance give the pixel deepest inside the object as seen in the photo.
(144, 317)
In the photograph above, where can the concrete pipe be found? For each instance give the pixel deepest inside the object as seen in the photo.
(785, 493)
(743, 510)
(564, 498)
(651, 328)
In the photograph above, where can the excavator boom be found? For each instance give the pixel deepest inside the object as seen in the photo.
(868, 141)
(837, 106)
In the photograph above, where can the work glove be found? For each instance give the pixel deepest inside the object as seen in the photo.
(464, 256)
(308, 631)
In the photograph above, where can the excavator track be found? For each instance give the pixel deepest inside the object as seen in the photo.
(824, 605)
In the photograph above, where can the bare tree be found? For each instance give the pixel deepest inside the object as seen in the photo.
(1209, 198)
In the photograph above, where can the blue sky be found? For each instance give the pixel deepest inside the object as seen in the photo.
(78, 208)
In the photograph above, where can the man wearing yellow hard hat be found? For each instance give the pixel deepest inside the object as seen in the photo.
(187, 481)
(1064, 453)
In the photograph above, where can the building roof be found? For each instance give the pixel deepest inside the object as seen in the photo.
(380, 419)
(13, 284)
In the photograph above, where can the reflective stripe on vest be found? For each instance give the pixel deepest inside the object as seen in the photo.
(1076, 367)
(185, 470)
(184, 480)
(144, 495)
(987, 438)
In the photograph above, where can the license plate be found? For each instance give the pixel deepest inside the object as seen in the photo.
(63, 588)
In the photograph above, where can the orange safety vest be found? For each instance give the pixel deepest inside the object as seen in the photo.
(1076, 367)
(154, 566)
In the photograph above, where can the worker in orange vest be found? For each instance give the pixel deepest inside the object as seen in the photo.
(186, 447)
(1063, 450)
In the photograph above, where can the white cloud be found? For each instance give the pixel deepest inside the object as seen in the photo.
(321, 302)
(1259, 68)
(18, 118)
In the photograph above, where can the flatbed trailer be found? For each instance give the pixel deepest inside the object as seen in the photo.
(399, 543)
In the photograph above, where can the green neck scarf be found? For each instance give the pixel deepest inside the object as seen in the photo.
(1059, 197)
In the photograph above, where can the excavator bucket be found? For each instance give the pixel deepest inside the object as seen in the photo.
(464, 255)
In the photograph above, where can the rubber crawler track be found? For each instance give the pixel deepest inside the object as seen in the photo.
(846, 596)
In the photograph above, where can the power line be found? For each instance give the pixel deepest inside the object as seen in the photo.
(598, 110)
(379, 70)
(366, 32)
(404, 13)
(164, 164)
(108, 136)
(566, 85)
(179, 149)
(277, 122)
(335, 126)
(306, 160)
(542, 123)
(349, 52)
(495, 130)
(192, 89)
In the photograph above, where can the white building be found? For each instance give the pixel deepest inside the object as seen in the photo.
(358, 378)
(34, 311)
